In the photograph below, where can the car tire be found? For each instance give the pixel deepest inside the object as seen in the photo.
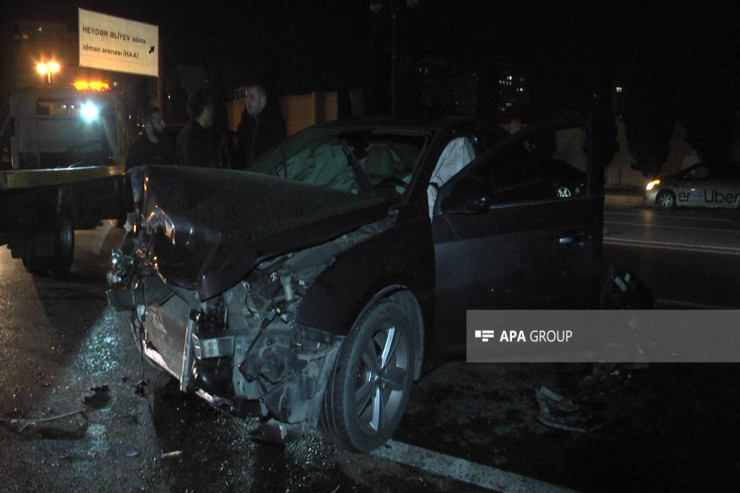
(368, 390)
(64, 245)
(666, 199)
(33, 263)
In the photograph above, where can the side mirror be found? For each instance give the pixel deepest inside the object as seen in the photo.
(468, 196)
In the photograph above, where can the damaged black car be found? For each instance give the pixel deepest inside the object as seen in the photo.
(313, 289)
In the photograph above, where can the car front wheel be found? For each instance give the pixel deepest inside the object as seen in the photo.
(368, 390)
(666, 200)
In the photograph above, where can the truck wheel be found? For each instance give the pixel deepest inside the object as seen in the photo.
(63, 236)
(33, 263)
(29, 260)
(369, 387)
(64, 245)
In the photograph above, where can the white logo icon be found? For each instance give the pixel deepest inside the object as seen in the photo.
(484, 335)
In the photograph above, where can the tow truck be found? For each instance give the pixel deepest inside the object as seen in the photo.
(62, 170)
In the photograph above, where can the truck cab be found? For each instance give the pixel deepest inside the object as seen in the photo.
(67, 148)
(63, 127)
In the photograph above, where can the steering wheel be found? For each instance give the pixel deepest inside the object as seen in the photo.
(393, 181)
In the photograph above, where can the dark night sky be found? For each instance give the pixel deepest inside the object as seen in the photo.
(305, 41)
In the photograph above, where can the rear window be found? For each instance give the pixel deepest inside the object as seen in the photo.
(58, 107)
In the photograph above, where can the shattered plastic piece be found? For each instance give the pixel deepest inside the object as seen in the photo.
(140, 387)
(561, 426)
(562, 403)
(174, 453)
(550, 403)
(622, 286)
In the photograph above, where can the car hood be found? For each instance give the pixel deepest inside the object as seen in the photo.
(208, 227)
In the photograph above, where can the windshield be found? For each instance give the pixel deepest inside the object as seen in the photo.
(346, 159)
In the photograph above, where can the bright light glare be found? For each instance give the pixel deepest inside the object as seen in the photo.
(44, 68)
(90, 111)
(652, 185)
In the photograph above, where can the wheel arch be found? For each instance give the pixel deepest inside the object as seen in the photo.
(394, 264)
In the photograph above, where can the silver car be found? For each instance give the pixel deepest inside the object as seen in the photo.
(695, 186)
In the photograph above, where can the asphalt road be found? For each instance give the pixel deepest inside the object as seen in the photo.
(468, 427)
(689, 257)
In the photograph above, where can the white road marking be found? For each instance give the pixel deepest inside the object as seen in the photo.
(691, 305)
(673, 246)
(666, 226)
(462, 470)
(672, 217)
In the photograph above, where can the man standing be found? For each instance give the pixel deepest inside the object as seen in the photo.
(262, 126)
(151, 146)
(196, 145)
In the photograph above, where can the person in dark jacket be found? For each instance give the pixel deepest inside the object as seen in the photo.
(196, 145)
(151, 146)
(262, 126)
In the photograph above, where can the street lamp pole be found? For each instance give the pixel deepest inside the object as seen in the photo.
(394, 63)
(376, 6)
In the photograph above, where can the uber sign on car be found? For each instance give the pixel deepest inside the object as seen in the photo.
(695, 186)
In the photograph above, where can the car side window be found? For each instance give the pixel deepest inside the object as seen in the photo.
(699, 172)
(513, 177)
(458, 153)
(511, 171)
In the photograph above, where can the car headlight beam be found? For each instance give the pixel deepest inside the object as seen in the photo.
(652, 184)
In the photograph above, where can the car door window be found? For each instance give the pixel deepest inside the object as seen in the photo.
(512, 177)
(699, 172)
(456, 155)
(538, 168)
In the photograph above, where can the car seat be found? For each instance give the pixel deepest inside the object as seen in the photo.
(379, 164)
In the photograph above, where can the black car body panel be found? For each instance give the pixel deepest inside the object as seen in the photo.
(403, 254)
(209, 227)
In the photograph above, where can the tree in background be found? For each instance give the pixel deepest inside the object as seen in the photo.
(710, 101)
(650, 111)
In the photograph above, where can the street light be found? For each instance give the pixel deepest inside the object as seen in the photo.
(47, 69)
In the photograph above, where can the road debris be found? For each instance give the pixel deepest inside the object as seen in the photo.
(40, 427)
(558, 412)
(607, 378)
(99, 399)
(140, 387)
